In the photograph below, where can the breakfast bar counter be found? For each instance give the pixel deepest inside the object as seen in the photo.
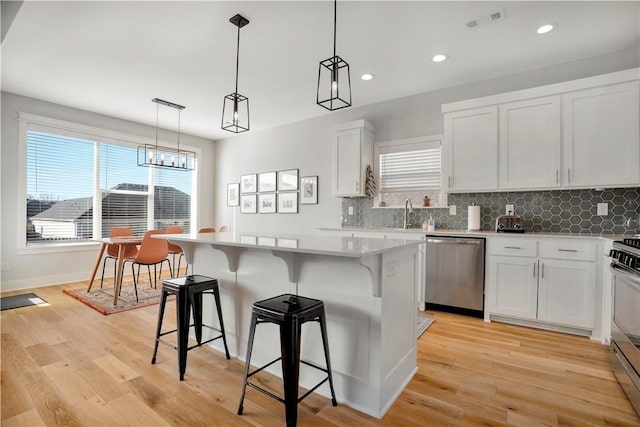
(368, 286)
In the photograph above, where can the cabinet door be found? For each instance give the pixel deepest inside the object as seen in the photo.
(567, 292)
(471, 137)
(600, 136)
(530, 144)
(347, 166)
(513, 286)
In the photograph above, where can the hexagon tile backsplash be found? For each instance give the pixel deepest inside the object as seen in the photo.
(557, 211)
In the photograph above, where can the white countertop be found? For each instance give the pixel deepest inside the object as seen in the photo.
(343, 246)
(444, 232)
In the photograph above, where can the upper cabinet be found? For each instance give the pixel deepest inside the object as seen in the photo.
(577, 134)
(530, 144)
(601, 136)
(471, 142)
(352, 152)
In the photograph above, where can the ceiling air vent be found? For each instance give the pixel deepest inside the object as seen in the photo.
(491, 18)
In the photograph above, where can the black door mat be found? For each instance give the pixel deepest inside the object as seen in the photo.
(22, 300)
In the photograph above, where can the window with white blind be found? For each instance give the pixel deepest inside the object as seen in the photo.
(409, 169)
(80, 185)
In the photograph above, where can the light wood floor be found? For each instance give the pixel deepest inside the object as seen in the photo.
(67, 365)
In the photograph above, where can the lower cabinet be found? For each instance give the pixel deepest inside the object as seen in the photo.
(514, 286)
(556, 285)
(566, 291)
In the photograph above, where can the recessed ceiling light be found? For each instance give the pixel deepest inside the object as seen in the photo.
(367, 76)
(545, 28)
(439, 57)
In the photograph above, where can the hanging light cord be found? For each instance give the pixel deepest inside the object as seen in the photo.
(237, 59)
(179, 111)
(157, 112)
(335, 20)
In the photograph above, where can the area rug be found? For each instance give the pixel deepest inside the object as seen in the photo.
(101, 300)
(22, 300)
(422, 323)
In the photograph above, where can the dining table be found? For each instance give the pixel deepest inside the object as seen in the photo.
(122, 243)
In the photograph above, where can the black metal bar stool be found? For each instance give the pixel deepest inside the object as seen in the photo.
(188, 291)
(289, 312)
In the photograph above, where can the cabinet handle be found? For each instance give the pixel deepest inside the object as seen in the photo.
(534, 269)
(567, 250)
(557, 177)
(357, 186)
(542, 271)
(569, 175)
(449, 180)
(512, 247)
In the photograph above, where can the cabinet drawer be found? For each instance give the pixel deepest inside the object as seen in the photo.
(570, 249)
(513, 247)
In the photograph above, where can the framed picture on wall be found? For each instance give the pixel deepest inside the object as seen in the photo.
(233, 194)
(288, 202)
(267, 182)
(267, 203)
(309, 190)
(248, 183)
(248, 203)
(288, 180)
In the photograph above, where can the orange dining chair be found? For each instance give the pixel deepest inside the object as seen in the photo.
(223, 228)
(207, 230)
(112, 251)
(175, 250)
(152, 252)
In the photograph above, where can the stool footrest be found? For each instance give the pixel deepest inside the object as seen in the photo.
(263, 367)
(278, 398)
(313, 389)
(267, 392)
(204, 342)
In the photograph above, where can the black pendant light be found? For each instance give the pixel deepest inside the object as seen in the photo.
(154, 155)
(334, 78)
(235, 110)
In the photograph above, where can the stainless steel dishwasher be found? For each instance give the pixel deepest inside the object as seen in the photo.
(454, 275)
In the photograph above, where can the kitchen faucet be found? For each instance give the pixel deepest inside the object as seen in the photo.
(407, 211)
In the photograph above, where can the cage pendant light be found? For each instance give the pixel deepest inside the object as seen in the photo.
(235, 110)
(151, 155)
(334, 78)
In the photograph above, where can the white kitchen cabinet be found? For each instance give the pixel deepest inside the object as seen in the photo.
(566, 292)
(546, 280)
(576, 134)
(514, 286)
(471, 140)
(601, 143)
(530, 144)
(352, 152)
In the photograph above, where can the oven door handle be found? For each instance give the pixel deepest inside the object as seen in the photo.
(633, 277)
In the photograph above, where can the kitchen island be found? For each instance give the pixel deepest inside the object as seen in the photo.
(368, 287)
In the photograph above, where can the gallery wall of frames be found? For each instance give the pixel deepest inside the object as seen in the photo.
(273, 192)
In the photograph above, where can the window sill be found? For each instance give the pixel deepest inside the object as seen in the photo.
(35, 248)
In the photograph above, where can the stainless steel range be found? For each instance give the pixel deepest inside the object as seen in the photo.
(625, 327)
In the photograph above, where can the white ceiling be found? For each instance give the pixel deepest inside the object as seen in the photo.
(114, 57)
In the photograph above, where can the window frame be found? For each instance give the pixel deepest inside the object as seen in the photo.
(378, 147)
(29, 121)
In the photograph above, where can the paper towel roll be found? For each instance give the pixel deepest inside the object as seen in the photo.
(473, 218)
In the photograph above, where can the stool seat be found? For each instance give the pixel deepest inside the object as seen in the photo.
(289, 312)
(188, 291)
(287, 305)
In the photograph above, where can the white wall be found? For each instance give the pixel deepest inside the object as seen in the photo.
(27, 271)
(306, 145)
